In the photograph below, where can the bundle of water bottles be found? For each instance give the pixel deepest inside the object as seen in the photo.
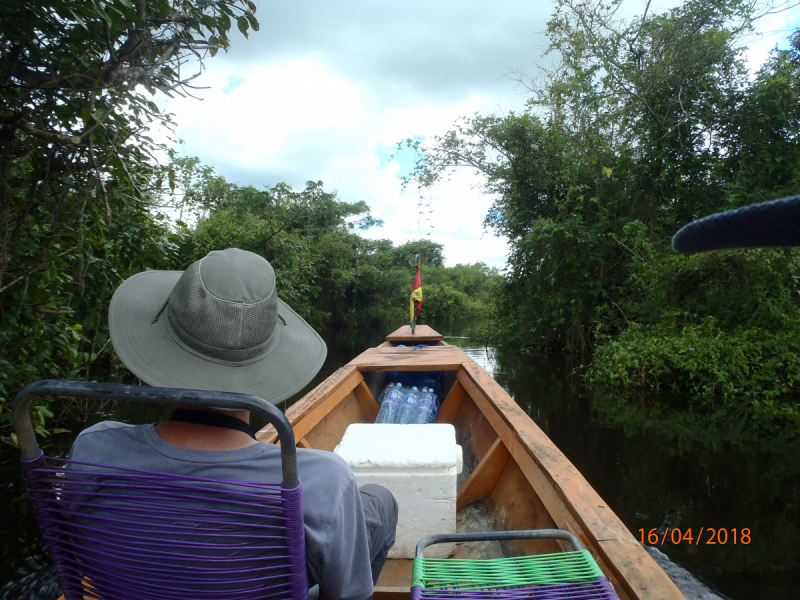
(407, 405)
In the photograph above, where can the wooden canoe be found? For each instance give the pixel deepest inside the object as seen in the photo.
(516, 474)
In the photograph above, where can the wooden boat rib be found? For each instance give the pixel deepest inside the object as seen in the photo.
(513, 471)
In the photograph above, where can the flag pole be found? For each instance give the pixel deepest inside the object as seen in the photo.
(414, 314)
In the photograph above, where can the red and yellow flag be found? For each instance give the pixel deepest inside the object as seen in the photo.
(416, 294)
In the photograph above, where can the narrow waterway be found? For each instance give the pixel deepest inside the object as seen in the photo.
(670, 471)
(662, 471)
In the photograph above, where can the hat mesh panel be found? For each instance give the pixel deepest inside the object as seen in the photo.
(217, 323)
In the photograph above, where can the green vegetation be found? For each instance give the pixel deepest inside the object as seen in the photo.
(465, 291)
(722, 326)
(326, 271)
(76, 173)
(639, 129)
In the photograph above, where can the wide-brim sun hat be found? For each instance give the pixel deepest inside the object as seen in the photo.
(217, 326)
(764, 225)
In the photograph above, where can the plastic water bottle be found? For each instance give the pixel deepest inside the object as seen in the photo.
(409, 406)
(391, 405)
(427, 407)
(421, 410)
(383, 393)
(434, 404)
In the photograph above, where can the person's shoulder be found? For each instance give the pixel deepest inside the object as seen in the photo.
(324, 458)
(101, 437)
(323, 464)
(108, 428)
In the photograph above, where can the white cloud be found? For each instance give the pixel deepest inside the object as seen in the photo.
(457, 217)
(320, 90)
(302, 122)
(274, 104)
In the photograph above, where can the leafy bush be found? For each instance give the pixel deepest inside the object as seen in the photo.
(463, 292)
(701, 362)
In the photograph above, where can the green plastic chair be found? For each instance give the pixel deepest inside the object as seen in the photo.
(563, 575)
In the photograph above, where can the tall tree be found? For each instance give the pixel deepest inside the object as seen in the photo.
(77, 85)
(641, 127)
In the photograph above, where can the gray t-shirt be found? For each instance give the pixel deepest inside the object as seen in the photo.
(337, 551)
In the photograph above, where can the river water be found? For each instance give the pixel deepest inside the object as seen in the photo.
(672, 471)
(661, 470)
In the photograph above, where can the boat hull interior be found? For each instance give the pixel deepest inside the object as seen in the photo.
(514, 477)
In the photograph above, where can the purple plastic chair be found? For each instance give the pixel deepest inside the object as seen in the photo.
(122, 534)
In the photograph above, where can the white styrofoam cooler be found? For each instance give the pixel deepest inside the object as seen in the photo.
(419, 465)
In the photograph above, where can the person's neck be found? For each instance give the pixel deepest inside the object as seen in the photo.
(205, 437)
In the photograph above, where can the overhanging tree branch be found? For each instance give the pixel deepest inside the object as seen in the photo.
(47, 136)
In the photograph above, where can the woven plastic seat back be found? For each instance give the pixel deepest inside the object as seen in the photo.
(123, 534)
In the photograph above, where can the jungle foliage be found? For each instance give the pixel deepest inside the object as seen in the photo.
(640, 128)
(76, 173)
(325, 270)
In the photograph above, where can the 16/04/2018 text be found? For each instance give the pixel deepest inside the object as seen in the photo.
(707, 535)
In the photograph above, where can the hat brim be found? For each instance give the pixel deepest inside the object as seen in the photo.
(151, 353)
(765, 225)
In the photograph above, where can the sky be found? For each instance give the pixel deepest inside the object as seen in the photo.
(325, 91)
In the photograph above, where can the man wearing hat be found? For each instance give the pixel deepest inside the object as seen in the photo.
(220, 326)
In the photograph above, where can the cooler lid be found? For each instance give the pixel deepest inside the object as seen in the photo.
(379, 445)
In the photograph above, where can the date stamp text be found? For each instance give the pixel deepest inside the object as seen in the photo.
(706, 535)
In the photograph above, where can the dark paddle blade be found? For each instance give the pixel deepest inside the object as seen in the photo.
(768, 224)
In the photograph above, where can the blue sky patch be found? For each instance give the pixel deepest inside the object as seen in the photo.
(233, 83)
(792, 24)
(406, 157)
(495, 261)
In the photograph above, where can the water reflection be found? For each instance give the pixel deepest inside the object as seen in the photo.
(662, 467)
(485, 356)
(659, 468)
